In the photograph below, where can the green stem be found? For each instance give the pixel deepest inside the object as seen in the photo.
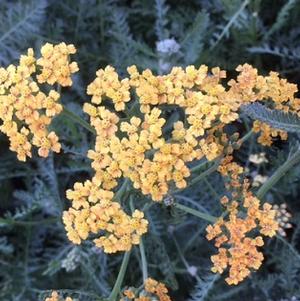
(144, 260)
(245, 137)
(141, 247)
(78, 120)
(120, 278)
(204, 174)
(198, 166)
(204, 216)
(181, 255)
(119, 194)
(278, 174)
(212, 190)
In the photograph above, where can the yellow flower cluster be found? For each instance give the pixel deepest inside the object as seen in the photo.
(138, 149)
(107, 84)
(93, 211)
(55, 66)
(153, 290)
(141, 149)
(56, 297)
(237, 249)
(26, 111)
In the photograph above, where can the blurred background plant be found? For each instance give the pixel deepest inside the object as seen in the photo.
(35, 254)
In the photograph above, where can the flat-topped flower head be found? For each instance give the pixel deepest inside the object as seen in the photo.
(55, 64)
(25, 110)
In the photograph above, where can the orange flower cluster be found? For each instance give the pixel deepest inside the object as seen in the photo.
(56, 297)
(26, 111)
(267, 133)
(153, 290)
(238, 250)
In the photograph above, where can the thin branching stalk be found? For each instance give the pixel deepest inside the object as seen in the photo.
(120, 278)
(205, 216)
(143, 259)
(120, 193)
(204, 174)
(78, 120)
(184, 261)
(141, 247)
(278, 174)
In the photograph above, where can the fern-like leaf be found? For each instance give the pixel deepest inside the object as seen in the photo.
(18, 23)
(192, 44)
(277, 119)
(203, 287)
(282, 17)
(283, 52)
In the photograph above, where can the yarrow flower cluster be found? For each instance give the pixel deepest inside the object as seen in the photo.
(93, 211)
(25, 111)
(55, 297)
(152, 290)
(143, 151)
(237, 246)
(55, 65)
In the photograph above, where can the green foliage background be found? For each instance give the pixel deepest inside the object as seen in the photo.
(33, 244)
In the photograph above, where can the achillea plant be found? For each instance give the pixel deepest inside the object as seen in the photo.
(137, 151)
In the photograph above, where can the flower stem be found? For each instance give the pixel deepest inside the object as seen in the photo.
(184, 261)
(120, 193)
(141, 247)
(78, 120)
(278, 174)
(204, 216)
(204, 174)
(120, 278)
(199, 166)
(144, 260)
(245, 137)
